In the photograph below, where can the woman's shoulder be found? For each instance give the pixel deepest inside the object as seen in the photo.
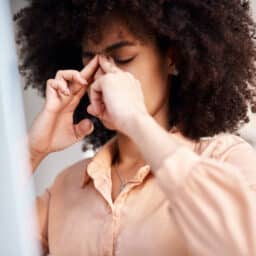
(222, 144)
(72, 175)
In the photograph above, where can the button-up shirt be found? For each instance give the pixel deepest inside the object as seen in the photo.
(201, 201)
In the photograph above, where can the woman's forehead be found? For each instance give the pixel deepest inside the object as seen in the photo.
(111, 33)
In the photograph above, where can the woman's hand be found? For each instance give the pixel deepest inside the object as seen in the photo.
(53, 128)
(116, 96)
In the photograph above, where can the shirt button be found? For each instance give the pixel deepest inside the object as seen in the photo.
(115, 214)
(107, 253)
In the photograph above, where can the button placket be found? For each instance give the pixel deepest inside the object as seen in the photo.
(117, 207)
(107, 239)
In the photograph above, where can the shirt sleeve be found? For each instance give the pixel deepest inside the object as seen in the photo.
(212, 201)
(44, 202)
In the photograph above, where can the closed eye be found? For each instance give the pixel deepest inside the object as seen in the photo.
(117, 61)
(124, 61)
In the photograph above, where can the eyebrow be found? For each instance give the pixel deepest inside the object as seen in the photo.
(110, 48)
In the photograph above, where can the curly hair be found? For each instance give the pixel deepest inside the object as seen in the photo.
(214, 48)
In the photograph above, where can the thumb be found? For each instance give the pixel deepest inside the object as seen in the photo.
(83, 128)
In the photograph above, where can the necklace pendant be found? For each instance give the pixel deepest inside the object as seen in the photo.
(122, 187)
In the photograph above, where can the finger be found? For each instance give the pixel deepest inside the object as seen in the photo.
(58, 86)
(77, 98)
(80, 93)
(96, 101)
(71, 76)
(75, 79)
(52, 87)
(83, 128)
(108, 66)
(62, 87)
(50, 84)
(91, 110)
(88, 71)
(96, 96)
(99, 72)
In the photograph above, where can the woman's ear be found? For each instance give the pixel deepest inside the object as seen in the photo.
(172, 69)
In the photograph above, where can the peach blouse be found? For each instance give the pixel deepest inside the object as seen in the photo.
(200, 202)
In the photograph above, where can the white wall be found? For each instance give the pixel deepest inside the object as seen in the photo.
(56, 162)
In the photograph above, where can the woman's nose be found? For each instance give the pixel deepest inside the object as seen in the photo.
(98, 73)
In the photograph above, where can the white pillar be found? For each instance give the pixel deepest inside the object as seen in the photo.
(16, 190)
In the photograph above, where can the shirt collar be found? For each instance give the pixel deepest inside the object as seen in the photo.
(99, 166)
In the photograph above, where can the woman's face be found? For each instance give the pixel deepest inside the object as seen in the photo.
(142, 59)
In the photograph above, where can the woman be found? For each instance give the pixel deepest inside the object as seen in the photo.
(161, 86)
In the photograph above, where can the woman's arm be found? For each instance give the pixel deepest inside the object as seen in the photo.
(212, 201)
(53, 128)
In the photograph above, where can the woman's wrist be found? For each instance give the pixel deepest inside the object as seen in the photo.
(153, 140)
(138, 120)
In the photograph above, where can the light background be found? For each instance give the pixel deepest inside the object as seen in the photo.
(56, 162)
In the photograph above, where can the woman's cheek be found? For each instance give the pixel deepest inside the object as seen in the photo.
(154, 96)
